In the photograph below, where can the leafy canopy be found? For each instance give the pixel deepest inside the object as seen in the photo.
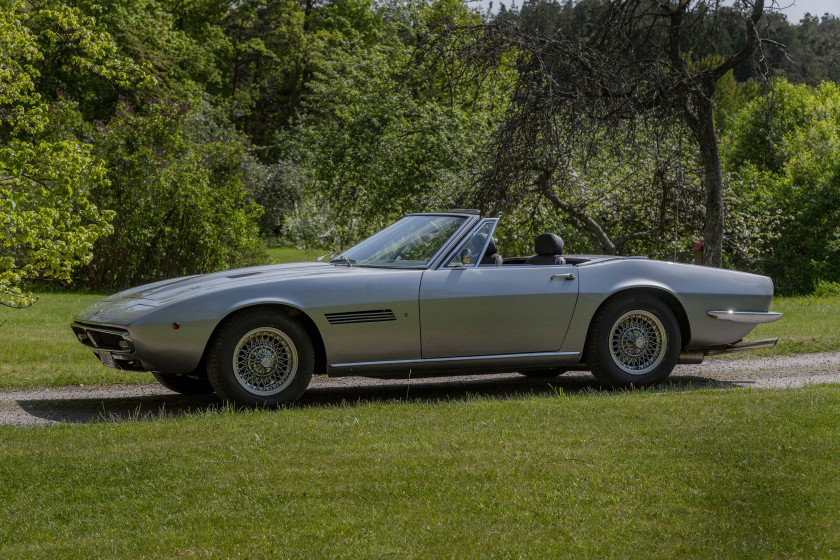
(47, 224)
(784, 151)
(177, 195)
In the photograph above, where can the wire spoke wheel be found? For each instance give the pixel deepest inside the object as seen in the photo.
(638, 342)
(265, 361)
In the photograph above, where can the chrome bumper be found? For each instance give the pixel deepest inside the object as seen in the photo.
(112, 346)
(754, 317)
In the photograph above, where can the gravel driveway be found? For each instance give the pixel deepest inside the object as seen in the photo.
(127, 402)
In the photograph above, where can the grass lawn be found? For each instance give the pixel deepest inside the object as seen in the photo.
(37, 347)
(809, 324)
(706, 474)
(280, 255)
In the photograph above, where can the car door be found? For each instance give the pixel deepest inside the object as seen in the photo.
(483, 310)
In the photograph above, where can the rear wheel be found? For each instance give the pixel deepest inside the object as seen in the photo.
(184, 384)
(260, 358)
(633, 340)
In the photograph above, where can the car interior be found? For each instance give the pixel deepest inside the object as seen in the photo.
(547, 246)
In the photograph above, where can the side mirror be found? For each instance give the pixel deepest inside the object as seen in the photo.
(466, 256)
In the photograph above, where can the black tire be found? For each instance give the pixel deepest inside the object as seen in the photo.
(274, 355)
(184, 384)
(633, 340)
(546, 373)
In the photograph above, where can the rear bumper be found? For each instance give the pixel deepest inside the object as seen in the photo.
(754, 317)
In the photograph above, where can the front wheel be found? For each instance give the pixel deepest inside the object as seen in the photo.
(260, 358)
(633, 340)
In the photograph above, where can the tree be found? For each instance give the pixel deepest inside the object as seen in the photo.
(381, 135)
(784, 155)
(594, 85)
(179, 203)
(47, 224)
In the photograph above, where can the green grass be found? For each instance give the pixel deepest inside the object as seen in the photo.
(280, 255)
(37, 347)
(809, 324)
(706, 474)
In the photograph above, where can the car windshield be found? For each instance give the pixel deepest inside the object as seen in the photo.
(411, 242)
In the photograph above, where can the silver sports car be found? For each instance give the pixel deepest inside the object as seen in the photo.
(429, 295)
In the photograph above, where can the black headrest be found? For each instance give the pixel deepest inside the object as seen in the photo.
(549, 244)
(491, 247)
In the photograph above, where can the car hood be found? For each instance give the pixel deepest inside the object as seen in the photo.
(186, 286)
(126, 306)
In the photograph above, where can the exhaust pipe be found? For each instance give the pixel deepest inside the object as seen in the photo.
(743, 346)
(696, 357)
(691, 358)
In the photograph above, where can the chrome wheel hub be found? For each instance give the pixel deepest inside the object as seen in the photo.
(638, 342)
(265, 361)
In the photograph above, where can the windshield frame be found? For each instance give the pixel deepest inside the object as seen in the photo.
(462, 243)
(456, 237)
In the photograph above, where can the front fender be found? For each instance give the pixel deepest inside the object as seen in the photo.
(161, 347)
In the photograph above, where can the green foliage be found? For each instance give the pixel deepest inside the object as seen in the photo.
(385, 134)
(334, 125)
(784, 152)
(730, 97)
(182, 66)
(825, 289)
(79, 58)
(48, 228)
(47, 225)
(265, 42)
(180, 204)
(20, 106)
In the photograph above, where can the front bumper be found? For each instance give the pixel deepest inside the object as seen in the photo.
(112, 345)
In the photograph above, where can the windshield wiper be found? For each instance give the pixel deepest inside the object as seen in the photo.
(341, 259)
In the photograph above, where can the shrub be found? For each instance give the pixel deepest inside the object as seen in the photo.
(180, 204)
(784, 152)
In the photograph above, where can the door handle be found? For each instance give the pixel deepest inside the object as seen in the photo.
(566, 276)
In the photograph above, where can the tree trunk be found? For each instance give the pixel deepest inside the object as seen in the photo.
(713, 179)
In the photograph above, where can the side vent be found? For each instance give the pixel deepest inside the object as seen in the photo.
(373, 316)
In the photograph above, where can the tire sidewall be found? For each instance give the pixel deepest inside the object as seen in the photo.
(220, 362)
(599, 354)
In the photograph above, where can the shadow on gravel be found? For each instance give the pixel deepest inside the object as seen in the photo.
(515, 386)
(76, 411)
(333, 393)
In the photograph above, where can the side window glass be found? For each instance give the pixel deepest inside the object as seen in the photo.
(475, 246)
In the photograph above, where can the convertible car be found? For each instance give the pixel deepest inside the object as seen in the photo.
(429, 295)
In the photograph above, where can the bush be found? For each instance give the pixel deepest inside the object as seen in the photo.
(784, 152)
(827, 289)
(180, 204)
